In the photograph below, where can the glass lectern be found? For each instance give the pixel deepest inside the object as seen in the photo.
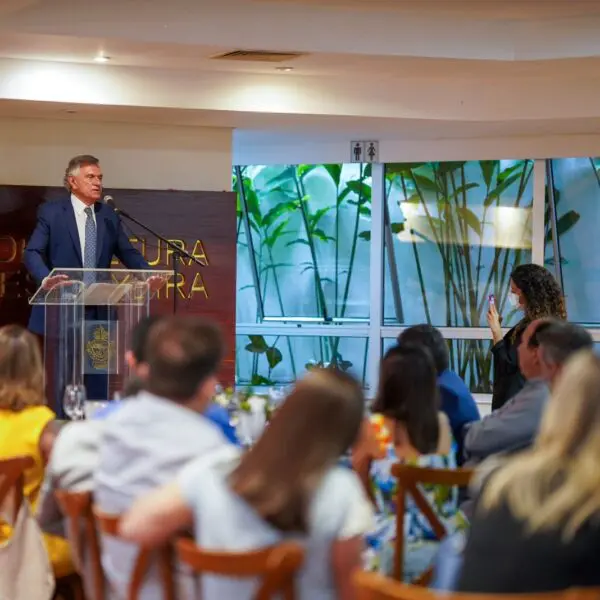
(89, 317)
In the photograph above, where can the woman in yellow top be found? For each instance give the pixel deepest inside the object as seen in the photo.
(27, 425)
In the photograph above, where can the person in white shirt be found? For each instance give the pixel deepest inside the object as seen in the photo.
(287, 487)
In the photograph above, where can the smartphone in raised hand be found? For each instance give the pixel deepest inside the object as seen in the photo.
(492, 300)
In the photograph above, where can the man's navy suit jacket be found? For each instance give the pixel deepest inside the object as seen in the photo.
(54, 244)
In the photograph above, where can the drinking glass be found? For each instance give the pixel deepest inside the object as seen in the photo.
(74, 401)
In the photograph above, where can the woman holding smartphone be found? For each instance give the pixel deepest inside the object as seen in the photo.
(534, 291)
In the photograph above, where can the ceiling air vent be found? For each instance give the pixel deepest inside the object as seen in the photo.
(258, 56)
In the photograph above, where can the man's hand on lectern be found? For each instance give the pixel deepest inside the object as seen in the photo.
(156, 282)
(51, 282)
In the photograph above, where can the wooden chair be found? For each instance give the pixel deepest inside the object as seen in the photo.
(12, 473)
(374, 587)
(81, 526)
(409, 479)
(277, 566)
(109, 525)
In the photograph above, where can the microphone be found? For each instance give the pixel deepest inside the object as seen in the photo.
(111, 202)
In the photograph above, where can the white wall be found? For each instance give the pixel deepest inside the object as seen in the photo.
(36, 152)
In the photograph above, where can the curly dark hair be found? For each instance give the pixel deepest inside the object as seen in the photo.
(542, 294)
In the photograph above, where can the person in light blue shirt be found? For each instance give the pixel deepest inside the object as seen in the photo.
(135, 358)
(156, 433)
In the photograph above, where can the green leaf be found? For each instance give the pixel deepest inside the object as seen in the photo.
(368, 170)
(566, 222)
(275, 266)
(260, 380)
(279, 209)
(500, 188)
(459, 191)
(470, 218)
(257, 344)
(276, 234)
(318, 215)
(274, 357)
(365, 211)
(413, 199)
(304, 170)
(282, 190)
(252, 201)
(397, 227)
(365, 235)
(506, 173)
(343, 195)
(321, 235)
(305, 242)
(335, 172)
(487, 171)
(361, 189)
(425, 184)
(393, 170)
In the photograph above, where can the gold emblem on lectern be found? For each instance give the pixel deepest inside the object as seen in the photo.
(99, 348)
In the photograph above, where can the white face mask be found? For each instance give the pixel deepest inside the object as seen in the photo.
(513, 300)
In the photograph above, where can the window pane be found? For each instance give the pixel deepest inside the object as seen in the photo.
(471, 359)
(454, 232)
(279, 360)
(310, 227)
(577, 199)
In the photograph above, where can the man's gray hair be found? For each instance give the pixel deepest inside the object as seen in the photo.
(83, 160)
(560, 340)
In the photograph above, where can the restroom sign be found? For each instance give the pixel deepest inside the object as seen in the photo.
(364, 151)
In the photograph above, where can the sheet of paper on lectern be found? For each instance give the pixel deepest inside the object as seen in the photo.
(98, 294)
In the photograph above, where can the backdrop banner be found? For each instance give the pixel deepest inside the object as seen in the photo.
(203, 223)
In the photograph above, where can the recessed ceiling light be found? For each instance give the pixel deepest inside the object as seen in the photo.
(284, 69)
(101, 58)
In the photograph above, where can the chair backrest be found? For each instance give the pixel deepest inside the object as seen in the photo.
(373, 587)
(83, 533)
(25, 568)
(163, 555)
(409, 479)
(276, 566)
(12, 472)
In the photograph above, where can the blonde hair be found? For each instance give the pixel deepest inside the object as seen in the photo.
(556, 484)
(21, 371)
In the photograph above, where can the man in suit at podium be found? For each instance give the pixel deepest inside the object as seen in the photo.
(78, 232)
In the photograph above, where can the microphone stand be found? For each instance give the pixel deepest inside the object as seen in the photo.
(177, 253)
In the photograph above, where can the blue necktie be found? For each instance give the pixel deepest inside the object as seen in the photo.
(89, 249)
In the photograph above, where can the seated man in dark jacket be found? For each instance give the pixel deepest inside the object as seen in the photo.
(545, 347)
(456, 399)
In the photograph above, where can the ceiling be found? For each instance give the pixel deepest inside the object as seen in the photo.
(427, 69)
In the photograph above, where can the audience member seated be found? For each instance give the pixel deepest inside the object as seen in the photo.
(75, 453)
(406, 427)
(27, 425)
(136, 359)
(456, 399)
(287, 486)
(537, 526)
(152, 436)
(545, 346)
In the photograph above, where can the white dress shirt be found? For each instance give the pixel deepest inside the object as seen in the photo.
(80, 218)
